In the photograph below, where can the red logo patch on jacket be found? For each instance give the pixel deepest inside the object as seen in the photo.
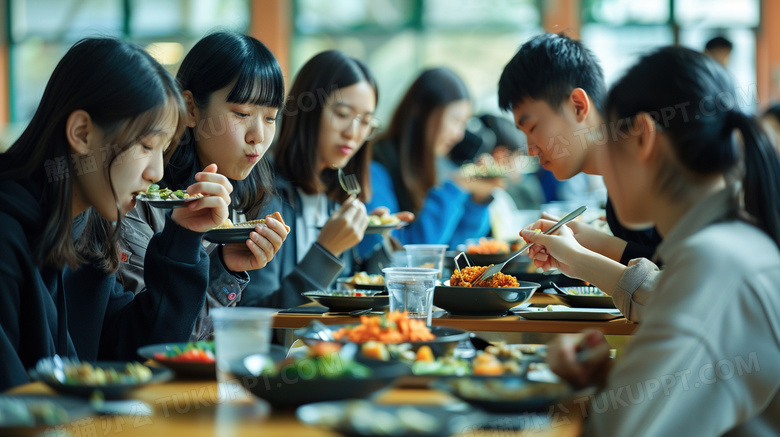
(125, 256)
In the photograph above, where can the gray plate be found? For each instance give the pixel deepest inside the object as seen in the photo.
(504, 394)
(574, 314)
(449, 419)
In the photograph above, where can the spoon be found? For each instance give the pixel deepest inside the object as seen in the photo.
(558, 289)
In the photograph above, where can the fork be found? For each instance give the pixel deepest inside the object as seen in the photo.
(349, 183)
(492, 270)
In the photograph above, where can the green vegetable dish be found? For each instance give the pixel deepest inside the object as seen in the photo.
(154, 192)
(325, 366)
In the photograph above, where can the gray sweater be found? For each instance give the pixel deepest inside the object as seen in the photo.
(224, 287)
(281, 282)
(706, 359)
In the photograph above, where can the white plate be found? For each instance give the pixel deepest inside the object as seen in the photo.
(561, 312)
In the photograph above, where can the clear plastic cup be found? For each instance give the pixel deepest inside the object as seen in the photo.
(428, 256)
(411, 290)
(238, 333)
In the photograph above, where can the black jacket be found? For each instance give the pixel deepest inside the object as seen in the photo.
(33, 316)
(108, 323)
(44, 311)
(140, 224)
(640, 244)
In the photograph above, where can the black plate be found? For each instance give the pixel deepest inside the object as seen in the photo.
(504, 394)
(378, 229)
(73, 408)
(584, 301)
(110, 391)
(190, 370)
(283, 392)
(443, 345)
(348, 303)
(165, 204)
(228, 235)
(444, 420)
(482, 301)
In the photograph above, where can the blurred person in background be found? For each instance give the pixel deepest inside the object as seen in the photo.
(719, 49)
(771, 121)
(411, 171)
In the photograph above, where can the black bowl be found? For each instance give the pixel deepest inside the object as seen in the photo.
(545, 279)
(283, 392)
(482, 301)
(342, 283)
(228, 235)
(109, 391)
(485, 259)
(185, 369)
(583, 301)
(348, 303)
(504, 394)
(16, 422)
(443, 345)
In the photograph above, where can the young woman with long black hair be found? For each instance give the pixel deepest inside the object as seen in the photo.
(108, 118)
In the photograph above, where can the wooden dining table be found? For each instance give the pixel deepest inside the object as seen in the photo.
(192, 409)
(619, 326)
(507, 323)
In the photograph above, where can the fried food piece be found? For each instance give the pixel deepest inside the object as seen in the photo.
(227, 224)
(465, 278)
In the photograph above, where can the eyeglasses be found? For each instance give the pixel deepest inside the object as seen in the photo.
(343, 118)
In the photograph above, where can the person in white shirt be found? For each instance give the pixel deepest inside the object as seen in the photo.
(706, 359)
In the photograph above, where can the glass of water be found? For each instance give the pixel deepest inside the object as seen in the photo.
(411, 290)
(238, 333)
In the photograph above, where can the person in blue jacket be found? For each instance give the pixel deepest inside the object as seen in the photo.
(109, 116)
(411, 171)
(326, 119)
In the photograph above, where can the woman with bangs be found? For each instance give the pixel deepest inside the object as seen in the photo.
(706, 359)
(233, 89)
(327, 117)
(107, 118)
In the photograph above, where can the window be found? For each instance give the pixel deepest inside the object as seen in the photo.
(41, 31)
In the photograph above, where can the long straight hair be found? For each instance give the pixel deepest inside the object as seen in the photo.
(215, 62)
(296, 155)
(695, 102)
(124, 91)
(433, 90)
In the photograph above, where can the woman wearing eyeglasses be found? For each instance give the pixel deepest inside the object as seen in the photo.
(327, 117)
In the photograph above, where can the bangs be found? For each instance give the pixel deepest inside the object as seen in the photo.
(259, 82)
(150, 123)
